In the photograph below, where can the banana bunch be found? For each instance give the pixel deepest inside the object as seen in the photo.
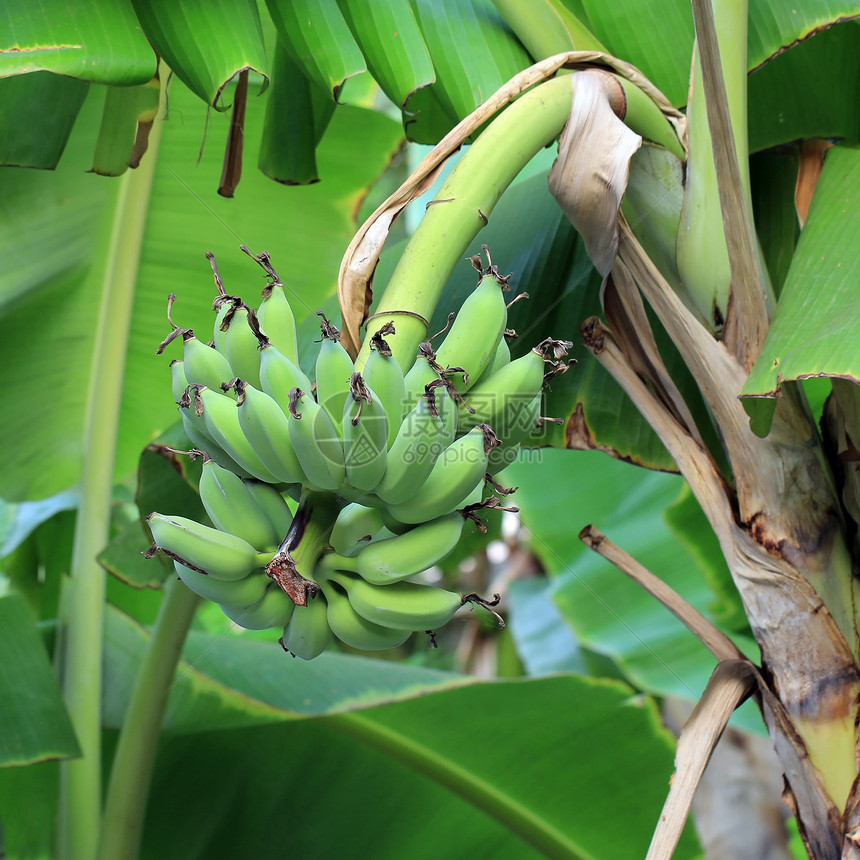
(386, 463)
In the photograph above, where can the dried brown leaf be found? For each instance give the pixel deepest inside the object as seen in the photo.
(731, 683)
(589, 176)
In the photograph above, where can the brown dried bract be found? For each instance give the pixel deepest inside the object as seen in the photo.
(282, 569)
(329, 331)
(360, 394)
(378, 343)
(176, 331)
(486, 604)
(294, 395)
(490, 439)
(264, 260)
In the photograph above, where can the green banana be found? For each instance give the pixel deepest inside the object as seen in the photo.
(267, 430)
(279, 375)
(223, 306)
(420, 439)
(425, 377)
(273, 506)
(277, 321)
(473, 339)
(316, 442)
(355, 525)
(500, 359)
(334, 369)
(193, 423)
(218, 554)
(384, 376)
(354, 630)
(365, 435)
(242, 342)
(241, 592)
(400, 605)
(273, 609)
(520, 426)
(503, 398)
(221, 424)
(307, 634)
(424, 370)
(203, 364)
(382, 562)
(455, 474)
(178, 379)
(232, 508)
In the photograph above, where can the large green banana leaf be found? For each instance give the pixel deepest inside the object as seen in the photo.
(34, 725)
(816, 328)
(261, 750)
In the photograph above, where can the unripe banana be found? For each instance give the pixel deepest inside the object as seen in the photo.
(455, 474)
(273, 609)
(273, 506)
(178, 379)
(384, 376)
(395, 558)
(502, 397)
(365, 435)
(354, 630)
(472, 340)
(194, 427)
(354, 527)
(307, 633)
(334, 369)
(420, 439)
(315, 442)
(219, 554)
(400, 605)
(267, 430)
(223, 306)
(424, 378)
(500, 359)
(505, 400)
(421, 374)
(279, 375)
(385, 561)
(243, 344)
(232, 508)
(204, 365)
(221, 423)
(241, 592)
(277, 321)
(521, 425)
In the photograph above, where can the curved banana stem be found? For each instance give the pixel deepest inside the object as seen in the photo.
(133, 763)
(462, 207)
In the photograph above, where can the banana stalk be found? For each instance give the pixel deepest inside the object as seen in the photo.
(462, 207)
(294, 561)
